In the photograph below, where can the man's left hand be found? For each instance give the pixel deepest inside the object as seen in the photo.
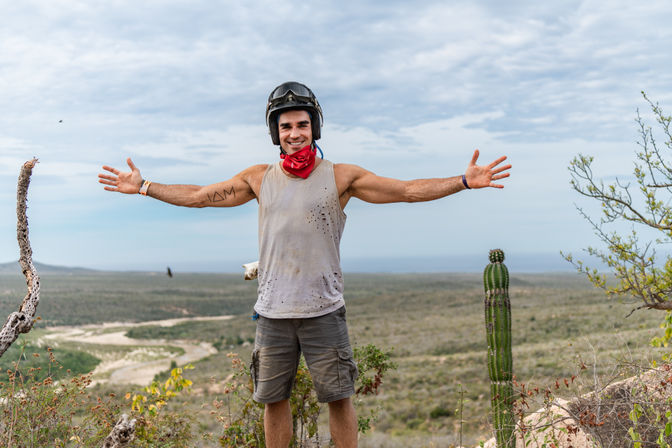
(484, 175)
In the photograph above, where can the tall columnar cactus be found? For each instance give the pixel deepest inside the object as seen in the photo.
(500, 360)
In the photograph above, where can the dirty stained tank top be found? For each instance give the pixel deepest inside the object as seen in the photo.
(300, 227)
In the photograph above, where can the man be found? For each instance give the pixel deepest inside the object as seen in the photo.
(301, 219)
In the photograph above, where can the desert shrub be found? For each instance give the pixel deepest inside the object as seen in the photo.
(635, 412)
(440, 411)
(48, 405)
(22, 357)
(154, 425)
(36, 410)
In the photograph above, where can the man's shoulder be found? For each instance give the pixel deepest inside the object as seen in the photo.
(253, 175)
(347, 166)
(348, 169)
(260, 167)
(255, 170)
(346, 174)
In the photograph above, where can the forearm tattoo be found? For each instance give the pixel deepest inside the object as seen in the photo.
(219, 197)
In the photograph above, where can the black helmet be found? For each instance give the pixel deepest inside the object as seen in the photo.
(288, 96)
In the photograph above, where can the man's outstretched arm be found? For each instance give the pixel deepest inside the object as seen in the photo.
(369, 187)
(236, 191)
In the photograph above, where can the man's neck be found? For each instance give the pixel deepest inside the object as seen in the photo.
(294, 176)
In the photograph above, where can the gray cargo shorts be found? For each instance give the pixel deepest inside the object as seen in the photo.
(324, 343)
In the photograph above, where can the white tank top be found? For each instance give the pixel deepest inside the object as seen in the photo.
(300, 227)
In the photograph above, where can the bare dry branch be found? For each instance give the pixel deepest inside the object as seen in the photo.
(121, 434)
(23, 320)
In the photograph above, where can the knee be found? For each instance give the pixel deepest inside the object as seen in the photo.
(279, 407)
(342, 405)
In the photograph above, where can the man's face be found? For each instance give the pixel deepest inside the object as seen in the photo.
(294, 130)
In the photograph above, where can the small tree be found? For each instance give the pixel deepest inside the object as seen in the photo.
(646, 203)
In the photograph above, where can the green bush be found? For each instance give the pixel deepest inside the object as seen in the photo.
(439, 412)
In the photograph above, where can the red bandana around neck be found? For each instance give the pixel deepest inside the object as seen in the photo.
(300, 163)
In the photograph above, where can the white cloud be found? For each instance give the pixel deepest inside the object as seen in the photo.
(408, 89)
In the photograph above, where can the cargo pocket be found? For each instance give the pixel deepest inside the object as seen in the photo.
(347, 369)
(254, 368)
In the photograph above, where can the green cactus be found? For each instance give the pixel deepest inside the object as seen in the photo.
(500, 360)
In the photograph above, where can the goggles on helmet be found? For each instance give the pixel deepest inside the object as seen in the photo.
(291, 94)
(296, 88)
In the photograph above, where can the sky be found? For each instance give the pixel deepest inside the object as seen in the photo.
(408, 90)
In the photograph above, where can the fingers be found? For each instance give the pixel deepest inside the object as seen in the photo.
(107, 180)
(474, 158)
(498, 177)
(106, 177)
(503, 168)
(497, 162)
(110, 169)
(501, 176)
(131, 165)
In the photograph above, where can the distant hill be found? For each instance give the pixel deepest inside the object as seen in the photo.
(13, 267)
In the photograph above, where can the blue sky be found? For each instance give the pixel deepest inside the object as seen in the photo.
(408, 90)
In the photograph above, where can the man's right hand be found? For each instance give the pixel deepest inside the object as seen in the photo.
(129, 182)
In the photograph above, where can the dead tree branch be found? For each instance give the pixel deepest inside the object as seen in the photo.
(23, 320)
(121, 434)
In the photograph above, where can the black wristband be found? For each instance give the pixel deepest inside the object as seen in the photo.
(464, 181)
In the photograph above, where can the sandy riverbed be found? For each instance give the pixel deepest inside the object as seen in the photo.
(137, 360)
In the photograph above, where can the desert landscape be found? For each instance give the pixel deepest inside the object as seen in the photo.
(136, 324)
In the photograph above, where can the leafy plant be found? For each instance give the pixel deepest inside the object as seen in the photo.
(157, 428)
(646, 205)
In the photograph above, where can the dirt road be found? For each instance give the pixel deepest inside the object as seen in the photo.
(132, 361)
